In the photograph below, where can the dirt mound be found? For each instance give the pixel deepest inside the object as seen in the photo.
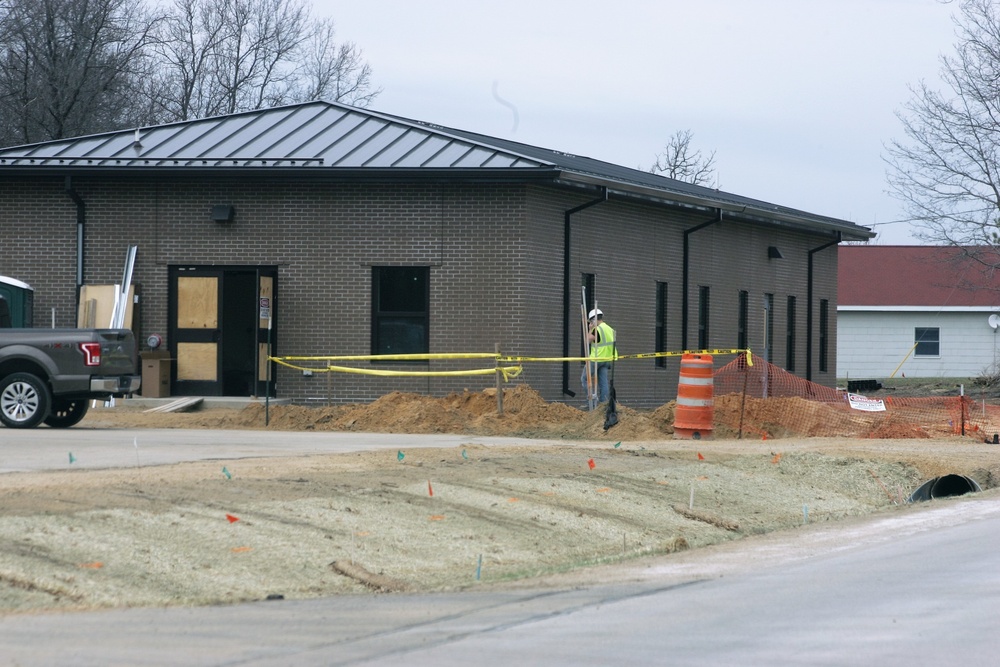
(525, 414)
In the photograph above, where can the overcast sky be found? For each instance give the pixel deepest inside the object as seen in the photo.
(796, 97)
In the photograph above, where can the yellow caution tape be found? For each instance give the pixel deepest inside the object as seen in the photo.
(508, 372)
(395, 357)
(651, 355)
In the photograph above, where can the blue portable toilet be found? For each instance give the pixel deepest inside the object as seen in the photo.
(16, 303)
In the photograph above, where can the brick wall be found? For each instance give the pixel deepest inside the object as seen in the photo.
(495, 253)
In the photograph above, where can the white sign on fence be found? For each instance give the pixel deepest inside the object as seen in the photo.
(859, 402)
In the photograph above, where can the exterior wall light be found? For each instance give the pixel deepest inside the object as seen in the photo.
(223, 213)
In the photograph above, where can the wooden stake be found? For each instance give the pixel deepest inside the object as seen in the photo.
(499, 384)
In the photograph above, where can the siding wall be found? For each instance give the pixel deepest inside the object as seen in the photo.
(495, 253)
(875, 344)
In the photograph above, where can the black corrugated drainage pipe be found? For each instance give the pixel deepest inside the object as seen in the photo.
(945, 486)
(567, 297)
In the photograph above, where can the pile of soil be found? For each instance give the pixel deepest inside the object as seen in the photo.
(449, 518)
(525, 414)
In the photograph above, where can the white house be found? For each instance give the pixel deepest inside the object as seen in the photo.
(917, 311)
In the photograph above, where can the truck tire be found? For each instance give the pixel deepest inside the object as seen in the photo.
(24, 400)
(67, 412)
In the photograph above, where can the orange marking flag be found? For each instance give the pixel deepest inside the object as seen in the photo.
(232, 519)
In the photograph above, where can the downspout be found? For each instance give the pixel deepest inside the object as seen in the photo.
(567, 297)
(809, 303)
(81, 219)
(686, 269)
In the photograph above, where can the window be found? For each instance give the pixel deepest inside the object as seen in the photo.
(768, 326)
(588, 281)
(661, 323)
(928, 342)
(703, 294)
(790, 336)
(824, 334)
(400, 309)
(741, 320)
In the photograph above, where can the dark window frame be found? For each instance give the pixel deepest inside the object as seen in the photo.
(588, 281)
(704, 298)
(661, 323)
(385, 314)
(742, 321)
(824, 334)
(769, 326)
(790, 335)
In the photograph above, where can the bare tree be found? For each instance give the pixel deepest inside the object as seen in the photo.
(70, 67)
(224, 56)
(334, 71)
(680, 162)
(947, 170)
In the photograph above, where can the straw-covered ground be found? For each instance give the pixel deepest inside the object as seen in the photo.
(226, 531)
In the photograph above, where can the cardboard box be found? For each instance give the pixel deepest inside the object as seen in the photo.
(155, 374)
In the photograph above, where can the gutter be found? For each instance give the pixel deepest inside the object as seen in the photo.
(761, 211)
(81, 220)
(686, 270)
(809, 303)
(566, 283)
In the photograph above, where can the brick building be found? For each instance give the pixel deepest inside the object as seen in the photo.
(364, 233)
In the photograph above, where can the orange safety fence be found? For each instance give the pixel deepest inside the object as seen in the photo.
(765, 401)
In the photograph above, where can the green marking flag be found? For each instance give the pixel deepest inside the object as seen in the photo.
(464, 455)
(618, 444)
(400, 455)
(225, 471)
(72, 459)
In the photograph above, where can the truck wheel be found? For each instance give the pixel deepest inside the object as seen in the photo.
(24, 400)
(66, 413)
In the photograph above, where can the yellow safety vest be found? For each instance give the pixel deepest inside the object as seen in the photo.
(604, 348)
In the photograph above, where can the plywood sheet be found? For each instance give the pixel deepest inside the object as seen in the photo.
(97, 306)
(197, 361)
(265, 352)
(197, 302)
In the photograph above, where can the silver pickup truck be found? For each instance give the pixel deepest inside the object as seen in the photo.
(51, 375)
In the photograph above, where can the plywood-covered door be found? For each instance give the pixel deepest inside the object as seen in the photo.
(195, 331)
(266, 331)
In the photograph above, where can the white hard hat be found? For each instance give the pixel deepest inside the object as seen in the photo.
(594, 313)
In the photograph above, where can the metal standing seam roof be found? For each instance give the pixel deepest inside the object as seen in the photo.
(329, 135)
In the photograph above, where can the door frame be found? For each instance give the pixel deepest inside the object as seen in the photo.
(261, 378)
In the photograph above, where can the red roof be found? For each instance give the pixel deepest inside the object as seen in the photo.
(938, 276)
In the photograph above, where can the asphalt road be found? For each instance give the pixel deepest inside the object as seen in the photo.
(919, 586)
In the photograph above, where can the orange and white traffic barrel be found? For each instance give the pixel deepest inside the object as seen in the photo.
(695, 409)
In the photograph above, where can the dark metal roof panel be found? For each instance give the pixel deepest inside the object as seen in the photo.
(327, 134)
(403, 142)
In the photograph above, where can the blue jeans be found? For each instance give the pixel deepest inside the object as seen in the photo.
(603, 385)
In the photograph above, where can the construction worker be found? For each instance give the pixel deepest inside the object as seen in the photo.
(602, 352)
